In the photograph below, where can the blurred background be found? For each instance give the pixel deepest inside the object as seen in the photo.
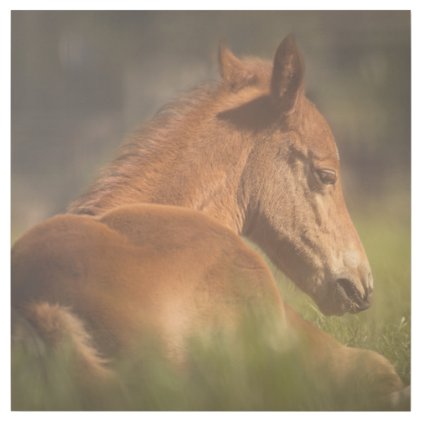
(83, 81)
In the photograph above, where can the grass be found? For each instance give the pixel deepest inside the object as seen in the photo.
(241, 373)
(247, 373)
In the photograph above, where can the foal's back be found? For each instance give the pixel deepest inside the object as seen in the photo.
(141, 269)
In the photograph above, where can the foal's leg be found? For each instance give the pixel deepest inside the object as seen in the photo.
(369, 376)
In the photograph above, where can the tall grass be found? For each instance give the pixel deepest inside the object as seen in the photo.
(240, 372)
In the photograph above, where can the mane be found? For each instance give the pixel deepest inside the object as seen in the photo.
(154, 143)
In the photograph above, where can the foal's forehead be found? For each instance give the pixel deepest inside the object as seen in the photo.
(317, 135)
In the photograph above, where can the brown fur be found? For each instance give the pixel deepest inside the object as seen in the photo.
(155, 246)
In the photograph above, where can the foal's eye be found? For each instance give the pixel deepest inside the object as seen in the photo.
(327, 176)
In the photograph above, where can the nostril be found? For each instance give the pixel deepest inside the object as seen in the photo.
(350, 290)
(346, 285)
(357, 300)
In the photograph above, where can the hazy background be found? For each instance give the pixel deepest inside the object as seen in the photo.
(82, 81)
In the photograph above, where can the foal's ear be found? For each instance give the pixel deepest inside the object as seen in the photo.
(288, 73)
(232, 70)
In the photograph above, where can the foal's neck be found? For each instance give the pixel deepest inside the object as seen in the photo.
(178, 159)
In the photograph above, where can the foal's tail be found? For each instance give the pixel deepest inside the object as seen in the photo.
(51, 350)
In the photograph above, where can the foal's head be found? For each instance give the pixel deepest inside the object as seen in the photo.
(291, 184)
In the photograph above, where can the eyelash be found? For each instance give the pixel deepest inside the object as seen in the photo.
(327, 176)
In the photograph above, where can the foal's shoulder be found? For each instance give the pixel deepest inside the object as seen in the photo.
(159, 218)
(172, 226)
